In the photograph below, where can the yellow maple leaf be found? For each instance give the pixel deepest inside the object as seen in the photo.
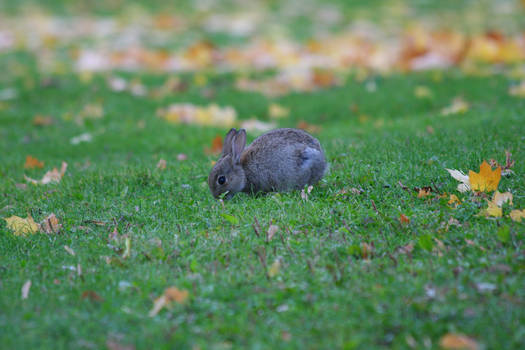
(517, 215)
(454, 200)
(458, 106)
(21, 226)
(32, 162)
(486, 180)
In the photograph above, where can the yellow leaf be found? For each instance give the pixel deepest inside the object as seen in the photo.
(454, 200)
(422, 92)
(276, 111)
(275, 268)
(458, 106)
(486, 180)
(20, 226)
(51, 176)
(502, 198)
(492, 210)
(458, 341)
(517, 215)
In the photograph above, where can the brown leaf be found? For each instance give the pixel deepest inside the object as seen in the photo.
(216, 146)
(170, 294)
(403, 219)
(40, 120)
(407, 249)
(161, 165)
(92, 295)
(272, 230)
(50, 225)
(311, 128)
(32, 163)
(458, 341)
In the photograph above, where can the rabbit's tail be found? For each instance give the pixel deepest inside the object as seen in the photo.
(313, 162)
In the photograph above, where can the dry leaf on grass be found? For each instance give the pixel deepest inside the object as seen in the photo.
(458, 106)
(49, 177)
(518, 90)
(32, 162)
(501, 198)
(21, 226)
(274, 268)
(458, 341)
(492, 210)
(50, 225)
(276, 111)
(216, 146)
(517, 215)
(186, 113)
(464, 186)
(257, 126)
(161, 165)
(171, 294)
(272, 230)
(25, 289)
(405, 220)
(40, 120)
(486, 180)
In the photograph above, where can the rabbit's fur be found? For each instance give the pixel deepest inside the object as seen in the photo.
(279, 160)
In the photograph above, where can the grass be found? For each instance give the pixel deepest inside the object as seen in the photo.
(326, 294)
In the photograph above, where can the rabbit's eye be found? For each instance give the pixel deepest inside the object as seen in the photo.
(221, 180)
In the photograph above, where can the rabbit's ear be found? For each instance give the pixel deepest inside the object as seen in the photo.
(227, 144)
(238, 144)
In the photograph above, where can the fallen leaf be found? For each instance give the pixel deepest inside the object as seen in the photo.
(424, 192)
(20, 226)
(40, 120)
(454, 200)
(182, 156)
(518, 90)
(458, 341)
(216, 146)
(464, 179)
(486, 180)
(311, 128)
(25, 289)
(161, 165)
(501, 198)
(422, 92)
(32, 162)
(50, 225)
(304, 194)
(69, 250)
(276, 111)
(127, 250)
(49, 177)
(367, 250)
(92, 295)
(274, 268)
(255, 125)
(407, 249)
(170, 294)
(211, 115)
(272, 230)
(517, 215)
(492, 210)
(404, 219)
(458, 106)
(85, 137)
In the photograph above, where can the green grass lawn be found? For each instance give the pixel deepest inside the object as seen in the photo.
(343, 281)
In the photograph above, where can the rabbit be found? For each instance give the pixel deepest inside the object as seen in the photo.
(279, 160)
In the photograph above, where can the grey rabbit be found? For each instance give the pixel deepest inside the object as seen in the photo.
(279, 160)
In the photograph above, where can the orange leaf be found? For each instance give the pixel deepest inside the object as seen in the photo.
(458, 341)
(32, 162)
(404, 219)
(486, 180)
